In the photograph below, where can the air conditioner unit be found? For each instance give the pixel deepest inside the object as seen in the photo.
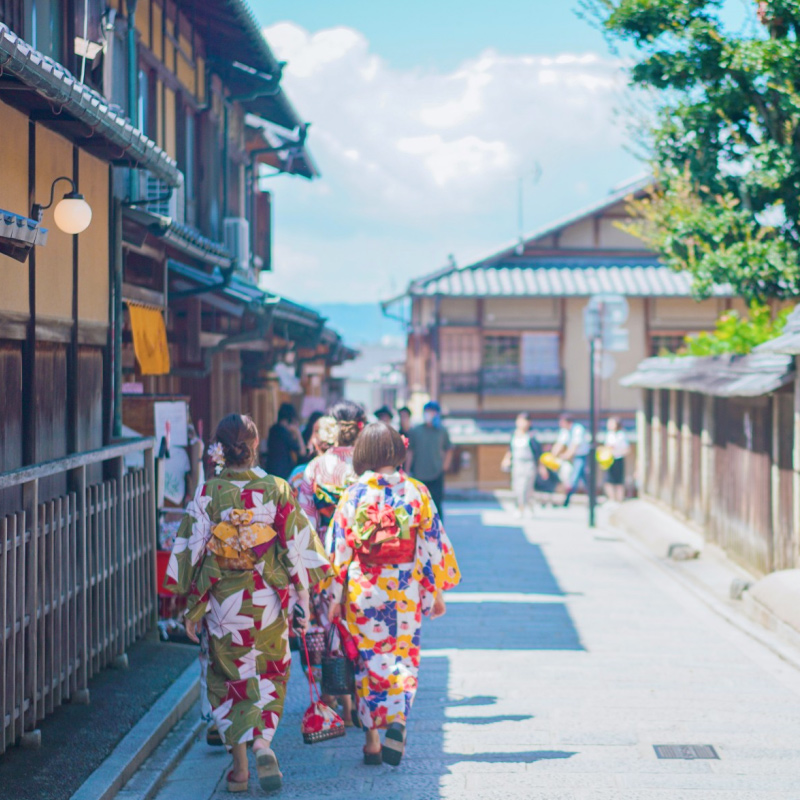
(237, 241)
(159, 198)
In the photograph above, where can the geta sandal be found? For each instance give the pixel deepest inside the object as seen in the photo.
(270, 777)
(394, 744)
(237, 786)
(373, 759)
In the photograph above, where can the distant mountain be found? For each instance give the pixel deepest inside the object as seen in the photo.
(361, 323)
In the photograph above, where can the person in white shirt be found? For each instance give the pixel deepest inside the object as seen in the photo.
(572, 444)
(617, 441)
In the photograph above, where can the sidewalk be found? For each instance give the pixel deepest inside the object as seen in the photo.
(565, 656)
(76, 739)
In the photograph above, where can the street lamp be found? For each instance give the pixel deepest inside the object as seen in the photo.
(72, 213)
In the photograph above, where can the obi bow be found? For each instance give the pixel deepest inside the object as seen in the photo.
(376, 524)
(239, 539)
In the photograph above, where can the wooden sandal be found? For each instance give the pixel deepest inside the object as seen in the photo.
(394, 744)
(213, 737)
(373, 759)
(270, 777)
(237, 786)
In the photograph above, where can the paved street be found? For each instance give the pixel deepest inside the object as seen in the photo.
(563, 659)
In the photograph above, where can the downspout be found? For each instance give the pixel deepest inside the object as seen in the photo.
(133, 87)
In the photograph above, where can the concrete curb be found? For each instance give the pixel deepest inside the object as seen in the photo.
(148, 780)
(738, 618)
(112, 775)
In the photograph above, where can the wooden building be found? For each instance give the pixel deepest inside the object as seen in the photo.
(505, 334)
(164, 117)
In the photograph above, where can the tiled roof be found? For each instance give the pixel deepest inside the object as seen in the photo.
(557, 279)
(720, 376)
(21, 229)
(53, 82)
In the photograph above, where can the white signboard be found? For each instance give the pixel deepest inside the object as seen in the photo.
(177, 414)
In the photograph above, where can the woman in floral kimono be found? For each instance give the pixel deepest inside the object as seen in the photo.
(392, 563)
(242, 548)
(324, 480)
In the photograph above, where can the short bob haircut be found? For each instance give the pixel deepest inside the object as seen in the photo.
(379, 445)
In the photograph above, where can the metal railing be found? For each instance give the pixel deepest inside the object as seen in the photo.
(77, 579)
(491, 380)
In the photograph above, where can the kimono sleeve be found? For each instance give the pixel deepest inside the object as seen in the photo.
(436, 561)
(186, 562)
(304, 557)
(339, 545)
(305, 494)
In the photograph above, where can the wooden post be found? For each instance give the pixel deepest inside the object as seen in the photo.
(658, 456)
(775, 487)
(82, 509)
(642, 445)
(686, 454)
(796, 468)
(707, 458)
(119, 553)
(150, 528)
(672, 447)
(29, 596)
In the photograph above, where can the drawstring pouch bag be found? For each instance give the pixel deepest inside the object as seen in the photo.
(338, 672)
(320, 722)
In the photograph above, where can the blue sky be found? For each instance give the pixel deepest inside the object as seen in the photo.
(425, 116)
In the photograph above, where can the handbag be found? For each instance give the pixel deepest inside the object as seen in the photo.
(338, 671)
(314, 649)
(320, 722)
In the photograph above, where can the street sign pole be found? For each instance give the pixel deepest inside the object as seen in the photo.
(592, 481)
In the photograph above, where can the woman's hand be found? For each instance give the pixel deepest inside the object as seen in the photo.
(335, 610)
(439, 606)
(191, 629)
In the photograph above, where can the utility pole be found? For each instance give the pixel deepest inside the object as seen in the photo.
(602, 318)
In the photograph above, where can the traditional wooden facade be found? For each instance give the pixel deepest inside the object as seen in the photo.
(164, 116)
(505, 334)
(718, 446)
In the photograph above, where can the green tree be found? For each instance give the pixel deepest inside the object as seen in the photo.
(734, 333)
(725, 139)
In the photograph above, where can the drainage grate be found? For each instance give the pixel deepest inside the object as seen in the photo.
(686, 751)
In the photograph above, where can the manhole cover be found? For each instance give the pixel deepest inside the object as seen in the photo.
(687, 751)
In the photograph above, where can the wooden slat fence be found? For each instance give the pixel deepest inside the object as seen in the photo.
(726, 464)
(77, 580)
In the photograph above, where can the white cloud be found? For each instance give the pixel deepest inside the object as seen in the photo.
(434, 157)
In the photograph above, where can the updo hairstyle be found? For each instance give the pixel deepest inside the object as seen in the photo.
(350, 419)
(327, 431)
(238, 435)
(379, 445)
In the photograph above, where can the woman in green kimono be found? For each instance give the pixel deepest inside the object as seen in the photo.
(244, 552)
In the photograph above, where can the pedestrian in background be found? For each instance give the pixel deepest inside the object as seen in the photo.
(572, 445)
(243, 547)
(617, 441)
(324, 481)
(430, 453)
(392, 563)
(522, 461)
(384, 414)
(285, 445)
(404, 413)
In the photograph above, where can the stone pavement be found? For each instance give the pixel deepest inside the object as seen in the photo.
(564, 657)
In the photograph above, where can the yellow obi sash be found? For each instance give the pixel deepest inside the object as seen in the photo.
(233, 540)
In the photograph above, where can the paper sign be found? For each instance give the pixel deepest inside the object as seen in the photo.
(176, 414)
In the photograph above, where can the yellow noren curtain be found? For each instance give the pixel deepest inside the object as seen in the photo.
(149, 339)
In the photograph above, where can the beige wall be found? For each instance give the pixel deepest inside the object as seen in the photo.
(53, 262)
(458, 310)
(522, 312)
(676, 312)
(514, 403)
(93, 243)
(14, 198)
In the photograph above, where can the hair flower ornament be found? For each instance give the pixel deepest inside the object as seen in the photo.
(217, 455)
